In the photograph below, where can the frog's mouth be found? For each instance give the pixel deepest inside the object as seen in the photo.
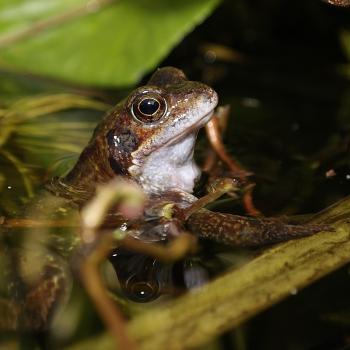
(194, 128)
(177, 151)
(166, 140)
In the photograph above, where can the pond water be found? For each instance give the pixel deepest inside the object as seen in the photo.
(290, 131)
(289, 126)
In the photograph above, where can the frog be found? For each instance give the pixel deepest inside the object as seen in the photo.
(149, 138)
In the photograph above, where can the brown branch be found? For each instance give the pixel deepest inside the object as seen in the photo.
(109, 312)
(196, 318)
(32, 223)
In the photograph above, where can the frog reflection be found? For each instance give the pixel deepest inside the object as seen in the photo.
(144, 279)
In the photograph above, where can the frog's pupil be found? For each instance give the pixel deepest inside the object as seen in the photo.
(149, 106)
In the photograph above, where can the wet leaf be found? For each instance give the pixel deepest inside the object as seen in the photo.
(94, 42)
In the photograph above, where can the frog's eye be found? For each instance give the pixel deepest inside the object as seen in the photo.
(149, 108)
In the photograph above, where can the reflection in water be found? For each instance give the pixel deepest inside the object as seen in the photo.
(143, 278)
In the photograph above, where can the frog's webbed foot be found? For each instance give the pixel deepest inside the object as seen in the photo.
(242, 231)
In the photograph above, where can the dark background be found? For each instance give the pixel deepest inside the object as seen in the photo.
(286, 81)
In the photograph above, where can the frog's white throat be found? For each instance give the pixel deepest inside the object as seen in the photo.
(170, 167)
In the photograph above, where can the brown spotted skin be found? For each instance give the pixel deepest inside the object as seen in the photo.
(121, 144)
(239, 231)
(43, 299)
(344, 3)
(33, 305)
(120, 152)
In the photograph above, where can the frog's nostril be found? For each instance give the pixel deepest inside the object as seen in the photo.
(214, 99)
(211, 97)
(213, 93)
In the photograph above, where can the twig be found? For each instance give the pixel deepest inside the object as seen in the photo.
(196, 318)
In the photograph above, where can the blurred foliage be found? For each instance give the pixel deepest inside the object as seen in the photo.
(27, 129)
(96, 42)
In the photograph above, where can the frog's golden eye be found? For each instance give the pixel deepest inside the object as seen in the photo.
(149, 108)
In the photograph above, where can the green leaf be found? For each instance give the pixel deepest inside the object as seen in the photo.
(112, 43)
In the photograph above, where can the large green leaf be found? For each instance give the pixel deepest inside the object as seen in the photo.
(115, 44)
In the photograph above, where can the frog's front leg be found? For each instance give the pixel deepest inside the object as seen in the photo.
(242, 231)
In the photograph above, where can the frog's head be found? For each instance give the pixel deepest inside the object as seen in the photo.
(150, 136)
